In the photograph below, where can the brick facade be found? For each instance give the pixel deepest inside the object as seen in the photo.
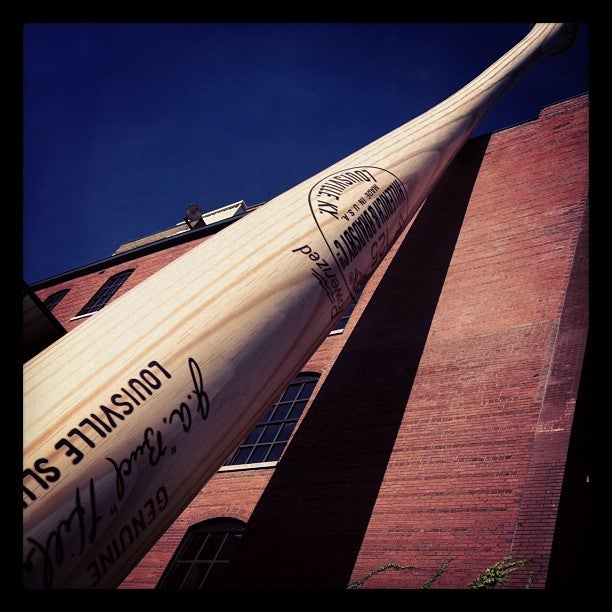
(440, 426)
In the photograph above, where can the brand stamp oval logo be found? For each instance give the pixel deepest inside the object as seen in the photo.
(356, 212)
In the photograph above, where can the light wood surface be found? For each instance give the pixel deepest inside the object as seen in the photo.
(127, 416)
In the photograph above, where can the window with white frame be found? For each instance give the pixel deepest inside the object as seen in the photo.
(105, 293)
(269, 437)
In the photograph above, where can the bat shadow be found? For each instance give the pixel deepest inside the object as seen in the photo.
(308, 526)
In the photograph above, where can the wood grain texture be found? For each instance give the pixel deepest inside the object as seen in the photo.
(127, 416)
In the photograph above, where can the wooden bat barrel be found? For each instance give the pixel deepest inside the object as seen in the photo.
(127, 416)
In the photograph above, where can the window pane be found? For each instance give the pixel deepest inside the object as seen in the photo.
(285, 432)
(270, 433)
(229, 546)
(296, 411)
(253, 437)
(276, 452)
(281, 412)
(291, 392)
(211, 546)
(260, 453)
(216, 571)
(242, 456)
(268, 415)
(192, 546)
(175, 579)
(307, 389)
(196, 576)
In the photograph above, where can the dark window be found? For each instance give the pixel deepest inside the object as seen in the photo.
(203, 554)
(54, 299)
(268, 439)
(105, 293)
(344, 319)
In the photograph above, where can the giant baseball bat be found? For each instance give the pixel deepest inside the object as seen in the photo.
(128, 416)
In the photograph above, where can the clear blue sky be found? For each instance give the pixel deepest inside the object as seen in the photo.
(126, 124)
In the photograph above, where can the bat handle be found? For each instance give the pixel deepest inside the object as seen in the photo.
(561, 39)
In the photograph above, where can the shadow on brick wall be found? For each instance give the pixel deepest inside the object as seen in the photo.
(308, 527)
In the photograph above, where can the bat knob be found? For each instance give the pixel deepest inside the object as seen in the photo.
(564, 39)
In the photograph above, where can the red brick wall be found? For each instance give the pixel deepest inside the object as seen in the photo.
(478, 463)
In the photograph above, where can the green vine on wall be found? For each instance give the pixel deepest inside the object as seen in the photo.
(358, 584)
(489, 579)
(437, 574)
(498, 573)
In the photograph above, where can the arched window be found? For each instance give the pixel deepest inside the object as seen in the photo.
(105, 293)
(270, 436)
(203, 554)
(54, 299)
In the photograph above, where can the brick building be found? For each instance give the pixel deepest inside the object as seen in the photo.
(441, 428)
